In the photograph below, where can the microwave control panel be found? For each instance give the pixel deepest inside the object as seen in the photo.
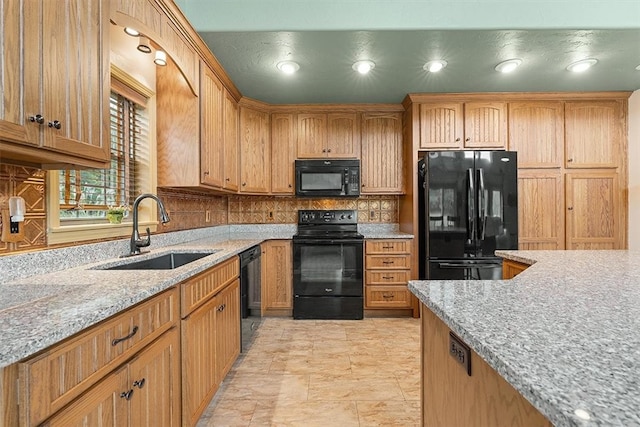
(352, 181)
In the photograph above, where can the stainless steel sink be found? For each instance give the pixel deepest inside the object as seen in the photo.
(167, 261)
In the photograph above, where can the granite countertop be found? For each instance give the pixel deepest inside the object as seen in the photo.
(564, 332)
(40, 310)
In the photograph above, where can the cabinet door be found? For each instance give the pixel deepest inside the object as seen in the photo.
(343, 136)
(594, 133)
(536, 132)
(312, 136)
(381, 161)
(211, 128)
(255, 151)
(441, 126)
(199, 382)
(227, 329)
(230, 142)
(540, 209)
(283, 153)
(485, 125)
(102, 406)
(277, 277)
(154, 377)
(593, 210)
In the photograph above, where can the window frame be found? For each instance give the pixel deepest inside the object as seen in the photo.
(57, 233)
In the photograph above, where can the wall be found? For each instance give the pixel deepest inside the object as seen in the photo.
(634, 171)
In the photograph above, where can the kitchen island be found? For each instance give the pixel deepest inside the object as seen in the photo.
(563, 333)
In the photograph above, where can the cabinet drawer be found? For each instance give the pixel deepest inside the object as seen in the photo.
(386, 277)
(393, 262)
(394, 246)
(51, 380)
(200, 288)
(387, 297)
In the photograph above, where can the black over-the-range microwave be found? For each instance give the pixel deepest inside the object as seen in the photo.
(328, 178)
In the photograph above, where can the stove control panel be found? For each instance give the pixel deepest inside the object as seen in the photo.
(327, 217)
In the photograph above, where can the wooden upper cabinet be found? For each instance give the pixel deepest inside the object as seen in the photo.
(459, 125)
(56, 84)
(255, 151)
(541, 209)
(594, 131)
(381, 161)
(211, 128)
(230, 115)
(283, 153)
(593, 211)
(485, 125)
(441, 126)
(536, 132)
(334, 135)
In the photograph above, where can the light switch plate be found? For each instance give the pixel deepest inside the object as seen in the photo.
(7, 235)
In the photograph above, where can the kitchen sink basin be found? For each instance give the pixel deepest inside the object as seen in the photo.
(162, 262)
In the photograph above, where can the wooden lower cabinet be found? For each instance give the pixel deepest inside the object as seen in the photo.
(511, 269)
(277, 278)
(210, 336)
(450, 397)
(387, 271)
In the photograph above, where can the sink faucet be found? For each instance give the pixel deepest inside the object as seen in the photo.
(136, 241)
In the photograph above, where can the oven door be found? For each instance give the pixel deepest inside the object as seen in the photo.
(327, 267)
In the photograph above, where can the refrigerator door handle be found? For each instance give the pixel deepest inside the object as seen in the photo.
(482, 208)
(471, 223)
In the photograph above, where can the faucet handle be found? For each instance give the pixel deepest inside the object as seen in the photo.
(141, 243)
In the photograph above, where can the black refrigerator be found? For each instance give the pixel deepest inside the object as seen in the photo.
(468, 209)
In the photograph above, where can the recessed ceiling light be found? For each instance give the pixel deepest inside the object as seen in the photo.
(143, 45)
(131, 31)
(435, 66)
(583, 65)
(363, 67)
(288, 67)
(509, 65)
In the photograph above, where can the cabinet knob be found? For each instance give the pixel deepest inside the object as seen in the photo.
(467, 139)
(329, 150)
(570, 208)
(205, 173)
(290, 186)
(324, 150)
(126, 395)
(362, 185)
(244, 184)
(55, 124)
(457, 139)
(38, 118)
(139, 383)
(227, 179)
(569, 160)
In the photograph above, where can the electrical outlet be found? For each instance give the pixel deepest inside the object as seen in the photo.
(11, 231)
(207, 215)
(460, 352)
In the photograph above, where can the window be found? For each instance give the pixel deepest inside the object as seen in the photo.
(85, 195)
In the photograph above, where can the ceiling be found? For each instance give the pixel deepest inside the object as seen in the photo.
(249, 37)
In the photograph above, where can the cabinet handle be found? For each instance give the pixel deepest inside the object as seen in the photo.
(387, 277)
(387, 247)
(126, 394)
(222, 307)
(55, 124)
(328, 289)
(387, 262)
(139, 383)
(387, 296)
(118, 340)
(38, 118)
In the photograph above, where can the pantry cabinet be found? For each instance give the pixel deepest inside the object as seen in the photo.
(457, 125)
(55, 82)
(283, 153)
(333, 135)
(255, 151)
(594, 134)
(536, 132)
(381, 162)
(277, 278)
(230, 114)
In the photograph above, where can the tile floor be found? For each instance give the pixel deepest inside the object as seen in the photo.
(356, 373)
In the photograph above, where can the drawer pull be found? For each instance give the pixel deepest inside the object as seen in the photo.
(387, 262)
(139, 383)
(387, 296)
(387, 277)
(222, 307)
(119, 340)
(126, 395)
(387, 247)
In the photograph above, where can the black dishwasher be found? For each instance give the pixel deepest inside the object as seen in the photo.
(249, 293)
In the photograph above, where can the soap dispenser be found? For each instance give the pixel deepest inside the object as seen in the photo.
(13, 220)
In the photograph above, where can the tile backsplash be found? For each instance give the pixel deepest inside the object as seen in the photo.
(188, 209)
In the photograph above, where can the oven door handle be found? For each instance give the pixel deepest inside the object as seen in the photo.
(327, 241)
